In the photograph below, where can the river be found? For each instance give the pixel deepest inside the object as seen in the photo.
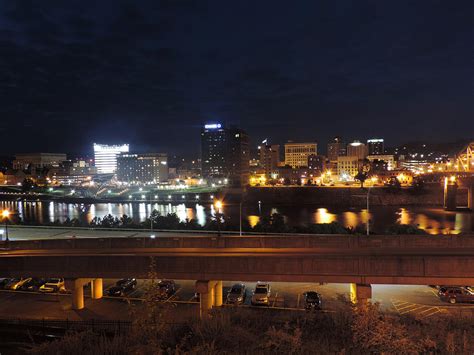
(433, 220)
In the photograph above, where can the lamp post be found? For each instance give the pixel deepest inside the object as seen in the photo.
(5, 215)
(218, 206)
(240, 218)
(368, 215)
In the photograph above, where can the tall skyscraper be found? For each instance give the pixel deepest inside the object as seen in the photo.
(225, 153)
(296, 154)
(336, 148)
(357, 149)
(105, 157)
(375, 146)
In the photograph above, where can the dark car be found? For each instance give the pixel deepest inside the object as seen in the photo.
(312, 301)
(4, 282)
(122, 286)
(456, 294)
(236, 294)
(166, 288)
(33, 284)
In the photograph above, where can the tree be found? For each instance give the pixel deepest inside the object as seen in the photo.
(361, 176)
(27, 184)
(287, 182)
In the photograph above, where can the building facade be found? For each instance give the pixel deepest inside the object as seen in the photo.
(296, 154)
(336, 148)
(387, 158)
(225, 154)
(347, 167)
(357, 149)
(38, 160)
(105, 157)
(375, 146)
(269, 158)
(151, 168)
(316, 164)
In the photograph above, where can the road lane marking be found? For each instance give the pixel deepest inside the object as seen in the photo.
(411, 305)
(429, 309)
(437, 310)
(298, 301)
(274, 300)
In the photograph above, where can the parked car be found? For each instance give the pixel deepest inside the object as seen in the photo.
(32, 284)
(166, 288)
(236, 294)
(122, 287)
(261, 294)
(3, 282)
(456, 294)
(12, 284)
(312, 301)
(53, 285)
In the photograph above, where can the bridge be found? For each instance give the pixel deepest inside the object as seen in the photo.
(358, 260)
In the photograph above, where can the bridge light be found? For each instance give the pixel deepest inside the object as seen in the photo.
(5, 213)
(218, 205)
(152, 236)
(452, 178)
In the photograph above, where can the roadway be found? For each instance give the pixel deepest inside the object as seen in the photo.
(418, 301)
(47, 233)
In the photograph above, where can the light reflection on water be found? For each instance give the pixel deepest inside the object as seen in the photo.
(433, 220)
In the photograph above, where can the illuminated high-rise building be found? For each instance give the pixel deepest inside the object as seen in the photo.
(357, 149)
(225, 154)
(105, 157)
(142, 168)
(375, 146)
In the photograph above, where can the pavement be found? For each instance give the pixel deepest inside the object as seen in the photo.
(39, 233)
(418, 301)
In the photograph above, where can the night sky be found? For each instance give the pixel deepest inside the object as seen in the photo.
(150, 73)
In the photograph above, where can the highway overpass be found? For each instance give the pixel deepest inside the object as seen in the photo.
(359, 260)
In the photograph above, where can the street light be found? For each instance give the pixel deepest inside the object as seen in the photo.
(5, 215)
(368, 215)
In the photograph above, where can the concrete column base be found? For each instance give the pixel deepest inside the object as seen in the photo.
(360, 293)
(97, 289)
(218, 294)
(210, 294)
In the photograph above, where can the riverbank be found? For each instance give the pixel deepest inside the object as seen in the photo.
(351, 196)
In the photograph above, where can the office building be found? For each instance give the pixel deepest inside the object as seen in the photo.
(375, 146)
(225, 154)
(336, 148)
(389, 159)
(105, 157)
(269, 158)
(38, 161)
(316, 164)
(151, 168)
(296, 154)
(347, 167)
(357, 149)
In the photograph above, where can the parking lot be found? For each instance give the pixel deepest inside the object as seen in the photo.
(419, 301)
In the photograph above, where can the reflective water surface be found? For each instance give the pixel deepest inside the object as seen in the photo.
(433, 220)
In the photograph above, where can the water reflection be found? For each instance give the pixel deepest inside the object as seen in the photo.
(433, 220)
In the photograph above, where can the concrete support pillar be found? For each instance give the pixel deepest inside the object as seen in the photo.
(210, 294)
(96, 289)
(77, 294)
(450, 192)
(218, 294)
(360, 293)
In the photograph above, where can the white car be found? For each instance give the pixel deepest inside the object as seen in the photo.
(53, 285)
(261, 294)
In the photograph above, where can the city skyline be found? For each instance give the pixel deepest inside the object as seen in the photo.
(151, 74)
